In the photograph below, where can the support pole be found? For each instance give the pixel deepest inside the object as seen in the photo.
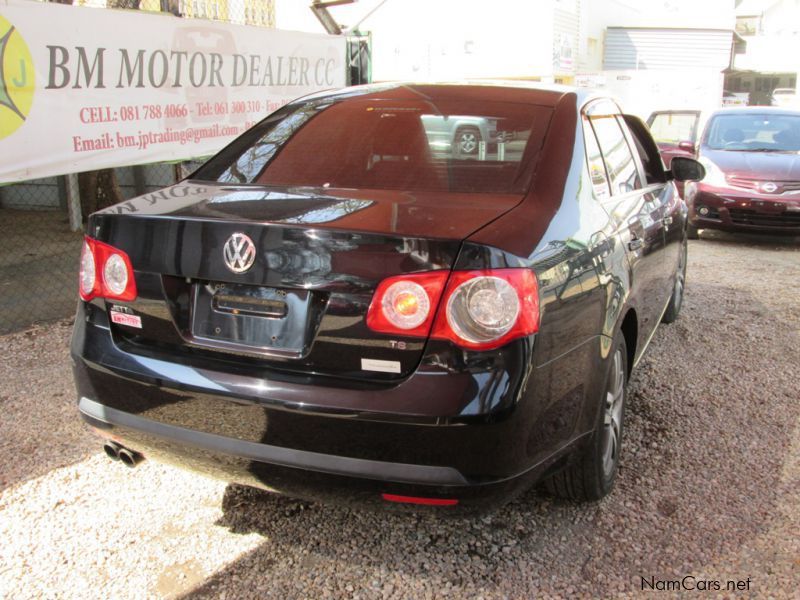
(139, 180)
(74, 202)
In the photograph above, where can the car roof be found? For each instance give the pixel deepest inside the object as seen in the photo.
(489, 90)
(677, 111)
(750, 110)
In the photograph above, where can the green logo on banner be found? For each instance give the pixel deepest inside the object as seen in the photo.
(16, 79)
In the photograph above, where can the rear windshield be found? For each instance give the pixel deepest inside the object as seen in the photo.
(417, 145)
(754, 132)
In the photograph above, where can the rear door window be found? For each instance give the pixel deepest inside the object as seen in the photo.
(620, 165)
(645, 150)
(594, 159)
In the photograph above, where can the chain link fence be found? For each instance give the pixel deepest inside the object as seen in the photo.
(39, 250)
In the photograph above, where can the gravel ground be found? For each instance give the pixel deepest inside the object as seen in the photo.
(709, 484)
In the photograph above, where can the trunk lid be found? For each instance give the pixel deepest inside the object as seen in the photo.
(302, 305)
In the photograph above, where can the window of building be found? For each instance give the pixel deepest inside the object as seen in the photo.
(746, 26)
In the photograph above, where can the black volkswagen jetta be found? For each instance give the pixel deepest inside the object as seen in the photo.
(344, 304)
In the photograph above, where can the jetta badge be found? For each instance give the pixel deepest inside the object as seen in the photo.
(239, 252)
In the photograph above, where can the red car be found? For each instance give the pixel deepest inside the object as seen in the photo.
(752, 166)
(675, 132)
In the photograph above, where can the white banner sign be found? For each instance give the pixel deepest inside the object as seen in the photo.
(84, 88)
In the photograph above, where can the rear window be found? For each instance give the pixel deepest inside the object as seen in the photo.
(674, 127)
(417, 145)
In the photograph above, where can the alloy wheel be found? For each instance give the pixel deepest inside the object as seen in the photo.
(680, 279)
(468, 142)
(612, 418)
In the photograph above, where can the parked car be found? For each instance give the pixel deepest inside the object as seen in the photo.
(675, 132)
(785, 97)
(327, 310)
(459, 134)
(735, 98)
(753, 173)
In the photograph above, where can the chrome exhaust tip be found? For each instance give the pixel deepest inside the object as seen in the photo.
(129, 458)
(112, 450)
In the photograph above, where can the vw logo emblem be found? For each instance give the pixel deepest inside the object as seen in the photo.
(769, 187)
(239, 252)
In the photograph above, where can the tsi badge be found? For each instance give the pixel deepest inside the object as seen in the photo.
(239, 252)
(124, 315)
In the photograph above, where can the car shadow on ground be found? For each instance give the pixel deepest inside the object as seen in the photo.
(701, 482)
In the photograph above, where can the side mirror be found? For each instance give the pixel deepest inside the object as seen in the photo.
(686, 146)
(686, 169)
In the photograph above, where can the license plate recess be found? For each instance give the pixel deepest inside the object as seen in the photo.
(251, 318)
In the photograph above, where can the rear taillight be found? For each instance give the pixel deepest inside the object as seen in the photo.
(405, 305)
(88, 278)
(106, 272)
(483, 310)
(479, 310)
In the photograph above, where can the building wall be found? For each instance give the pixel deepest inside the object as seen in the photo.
(657, 48)
(694, 14)
(566, 39)
(642, 92)
(447, 39)
(772, 35)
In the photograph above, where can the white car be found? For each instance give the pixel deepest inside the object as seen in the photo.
(735, 98)
(784, 97)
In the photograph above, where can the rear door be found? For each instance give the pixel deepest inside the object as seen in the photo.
(634, 208)
(662, 192)
(675, 132)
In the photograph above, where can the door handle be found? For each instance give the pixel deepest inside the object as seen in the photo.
(636, 244)
(667, 220)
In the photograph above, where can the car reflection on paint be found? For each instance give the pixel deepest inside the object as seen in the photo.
(473, 137)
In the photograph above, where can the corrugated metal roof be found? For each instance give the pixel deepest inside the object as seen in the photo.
(651, 48)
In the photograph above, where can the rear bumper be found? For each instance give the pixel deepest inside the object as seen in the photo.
(300, 474)
(735, 210)
(205, 421)
(105, 418)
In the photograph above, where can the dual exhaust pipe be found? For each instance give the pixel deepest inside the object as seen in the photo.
(129, 458)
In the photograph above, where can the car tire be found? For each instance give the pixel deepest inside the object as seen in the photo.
(591, 473)
(467, 140)
(692, 232)
(676, 300)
